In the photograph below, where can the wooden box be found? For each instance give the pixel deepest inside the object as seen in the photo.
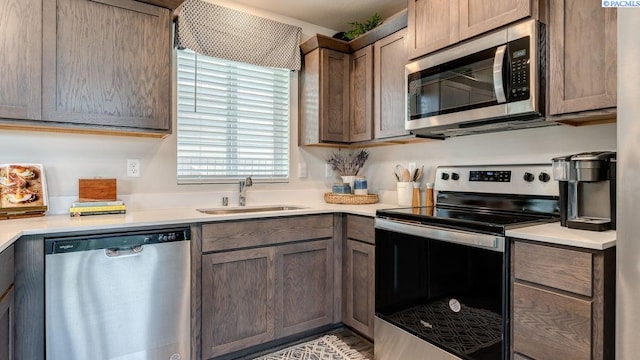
(97, 190)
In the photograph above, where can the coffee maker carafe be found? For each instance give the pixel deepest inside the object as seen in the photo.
(587, 184)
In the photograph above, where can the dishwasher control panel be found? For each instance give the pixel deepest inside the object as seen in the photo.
(114, 240)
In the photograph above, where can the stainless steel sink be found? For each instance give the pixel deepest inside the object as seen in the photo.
(242, 210)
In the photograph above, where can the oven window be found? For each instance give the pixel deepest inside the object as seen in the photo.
(459, 85)
(448, 294)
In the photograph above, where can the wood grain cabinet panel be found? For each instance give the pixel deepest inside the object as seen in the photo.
(241, 234)
(361, 228)
(361, 106)
(304, 286)
(390, 57)
(477, 17)
(238, 292)
(20, 57)
(435, 24)
(562, 302)
(358, 272)
(107, 63)
(582, 56)
(550, 326)
(324, 97)
(431, 25)
(359, 287)
(262, 280)
(7, 324)
(7, 301)
(562, 269)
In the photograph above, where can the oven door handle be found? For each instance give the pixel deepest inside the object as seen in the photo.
(484, 241)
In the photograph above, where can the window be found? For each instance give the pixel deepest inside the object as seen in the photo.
(233, 120)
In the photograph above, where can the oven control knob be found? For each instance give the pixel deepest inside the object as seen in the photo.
(455, 176)
(544, 177)
(445, 176)
(528, 177)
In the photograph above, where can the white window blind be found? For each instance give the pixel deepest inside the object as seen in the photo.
(233, 120)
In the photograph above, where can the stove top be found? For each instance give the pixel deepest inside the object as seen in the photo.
(487, 199)
(483, 221)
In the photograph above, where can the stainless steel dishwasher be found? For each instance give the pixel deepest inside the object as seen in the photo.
(118, 296)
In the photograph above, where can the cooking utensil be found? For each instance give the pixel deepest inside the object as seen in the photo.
(406, 176)
(398, 171)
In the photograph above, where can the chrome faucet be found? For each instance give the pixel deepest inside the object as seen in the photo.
(244, 184)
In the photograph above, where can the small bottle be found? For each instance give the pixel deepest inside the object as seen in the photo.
(429, 195)
(415, 200)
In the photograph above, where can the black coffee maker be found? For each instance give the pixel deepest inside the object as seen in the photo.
(587, 190)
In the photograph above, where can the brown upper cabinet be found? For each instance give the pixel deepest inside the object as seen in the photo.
(353, 93)
(582, 60)
(21, 44)
(435, 24)
(390, 57)
(361, 95)
(107, 63)
(324, 97)
(87, 65)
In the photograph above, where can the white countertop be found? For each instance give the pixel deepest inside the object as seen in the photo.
(11, 230)
(555, 234)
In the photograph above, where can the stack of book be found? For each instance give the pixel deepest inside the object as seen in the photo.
(82, 208)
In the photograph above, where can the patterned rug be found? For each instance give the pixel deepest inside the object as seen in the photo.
(328, 347)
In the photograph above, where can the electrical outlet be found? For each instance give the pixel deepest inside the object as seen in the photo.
(302, 170)
(328, 171)
(133, 167)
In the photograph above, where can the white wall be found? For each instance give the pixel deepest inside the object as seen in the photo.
(628, 227)
(68, 157)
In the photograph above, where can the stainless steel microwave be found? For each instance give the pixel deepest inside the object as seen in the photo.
(492, 83)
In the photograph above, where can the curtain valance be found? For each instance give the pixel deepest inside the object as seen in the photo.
(221, 32)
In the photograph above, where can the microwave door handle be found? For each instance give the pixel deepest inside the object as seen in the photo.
(498, 84)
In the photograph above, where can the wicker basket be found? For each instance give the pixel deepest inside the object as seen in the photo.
(348, 199)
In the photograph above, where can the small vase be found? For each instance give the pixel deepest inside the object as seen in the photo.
(349, 179)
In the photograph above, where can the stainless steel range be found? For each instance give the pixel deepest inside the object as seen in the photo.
(442, 272)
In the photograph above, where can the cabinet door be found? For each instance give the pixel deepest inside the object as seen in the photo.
(334, 96)
(304, 286)
(359, 293)
(237, 300)
(107, 63)
(361, 95)
(390, 57)
(549, 325)
(20, 56)
(431, 25)
(6, 324)
(477, 17)
(582, 56)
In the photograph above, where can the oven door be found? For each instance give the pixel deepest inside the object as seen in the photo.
(445, 287)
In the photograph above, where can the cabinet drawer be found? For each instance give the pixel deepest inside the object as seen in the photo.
(563, 269)
(6, 269)
(361, 228)
(241, 234)
(561, 323)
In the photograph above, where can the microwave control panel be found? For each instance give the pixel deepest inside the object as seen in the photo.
(520, 70)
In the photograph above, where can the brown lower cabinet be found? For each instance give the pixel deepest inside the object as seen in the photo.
(7, 322)
(359, 275)
(563, 302)
(283, 286)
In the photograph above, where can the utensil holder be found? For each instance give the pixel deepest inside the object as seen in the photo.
(405, 193)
